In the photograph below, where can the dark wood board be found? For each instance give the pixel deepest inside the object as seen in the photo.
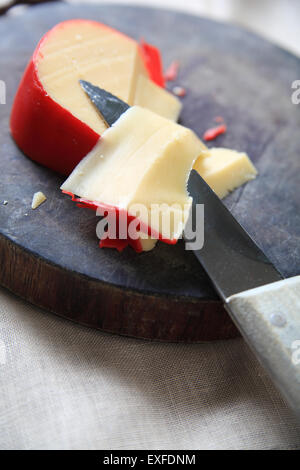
(50, 256)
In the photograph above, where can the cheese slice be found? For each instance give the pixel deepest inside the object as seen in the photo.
(225, 170)
(141, 164)
(153, 97)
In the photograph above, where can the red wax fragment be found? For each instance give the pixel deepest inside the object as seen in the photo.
(172, 71)
(212, 133)
(219, 119)
(153, 63)
(179, 91)
(119, 243)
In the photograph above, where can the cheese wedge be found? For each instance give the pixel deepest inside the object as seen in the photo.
(141, 165)
(52, 119)
(225, 170)
(84, 51)
(151, 96)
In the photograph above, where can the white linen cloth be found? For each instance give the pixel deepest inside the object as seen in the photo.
(64, 386)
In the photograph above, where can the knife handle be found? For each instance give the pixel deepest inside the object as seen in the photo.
(269, 319)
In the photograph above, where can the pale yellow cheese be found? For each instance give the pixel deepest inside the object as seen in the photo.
(160, 101)
(76, 50)
(148, 243)
(139, 71)
(38, 199)
(143, 159)
(224, 169)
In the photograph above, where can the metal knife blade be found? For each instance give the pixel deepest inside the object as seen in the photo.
(264, 306)
(229, 255)
(109, 106)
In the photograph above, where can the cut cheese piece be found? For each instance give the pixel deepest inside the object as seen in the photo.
(225, 169)
(141, 165)
(151, 96)
(147, 244)
(38, 199)
(53, 121)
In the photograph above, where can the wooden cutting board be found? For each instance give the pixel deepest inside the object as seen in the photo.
(50, 256)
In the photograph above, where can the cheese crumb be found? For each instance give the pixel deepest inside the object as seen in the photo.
(38, 199)
(179, 91)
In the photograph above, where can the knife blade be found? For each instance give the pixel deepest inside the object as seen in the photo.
(264, 306)
(229, 255)
(109, 106)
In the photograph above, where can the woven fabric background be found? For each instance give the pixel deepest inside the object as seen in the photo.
(63, 386)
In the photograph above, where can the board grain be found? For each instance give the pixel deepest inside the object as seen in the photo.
(50, 256)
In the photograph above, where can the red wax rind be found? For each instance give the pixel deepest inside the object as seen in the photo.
(44, 130)
(152, 60)
(214, 132)
(48, 133)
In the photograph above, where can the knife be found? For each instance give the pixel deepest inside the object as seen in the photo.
(264, 306)
(109, 106)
